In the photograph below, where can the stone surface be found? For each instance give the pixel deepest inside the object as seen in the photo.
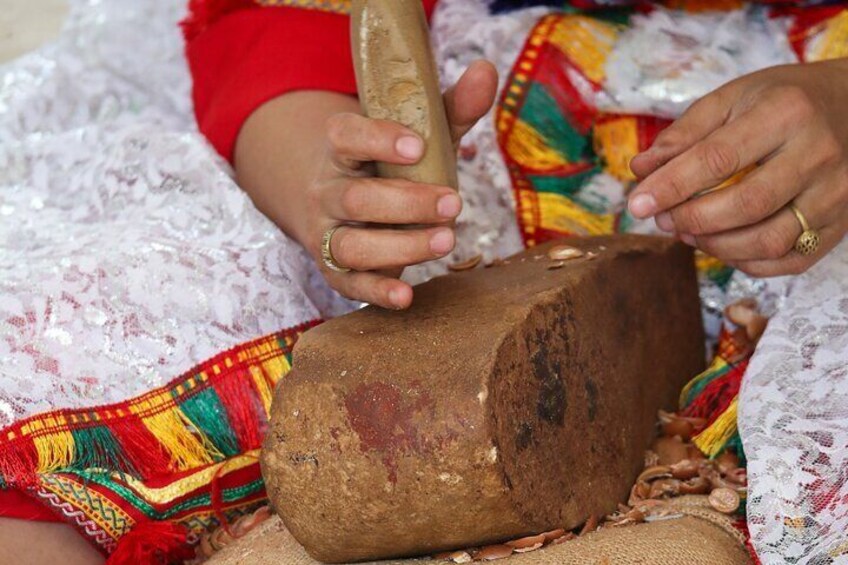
(508, 400)
(398, 81)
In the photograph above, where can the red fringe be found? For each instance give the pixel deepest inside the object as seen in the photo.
(18, 463)
(141, 448)
(153, 543)
(244, 408)
(717, 396)
(203, 13)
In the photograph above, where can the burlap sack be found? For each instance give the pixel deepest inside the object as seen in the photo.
(691, 535)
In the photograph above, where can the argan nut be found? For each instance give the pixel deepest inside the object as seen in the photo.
(685, 469)
(724, 500)
(655, 472)
(670, 450)
(492, 552)
(564, 253)
(466, 265)
(678, 427)
(726, 462)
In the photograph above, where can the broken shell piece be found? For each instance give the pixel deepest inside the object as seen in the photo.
(567, 536)
(695, 485)
(496, 262)
(556, 265)
(724, 500)
(590, 526)
(738, 476)
(655, 472)
(525, 542)
(726, 462)
(664, 487)
(553, 534)
(454, 556)
(678, 427)
(564, 253)
(590, 256)
(638, 493)
(467, 264)
(492, 552)
(685, 469)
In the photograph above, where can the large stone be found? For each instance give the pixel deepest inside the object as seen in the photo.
(507, 400)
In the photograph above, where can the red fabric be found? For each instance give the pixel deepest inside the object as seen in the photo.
(249, 56)
(15, 504)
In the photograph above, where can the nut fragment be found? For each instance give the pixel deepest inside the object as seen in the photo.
(664, 487)
(685, 469)
(454, 556)
(655, 472)
(727, 462)
(695, 485)
(556, 265)
(590, 526)
(492, 552)
(678, 427)
(525, 542)
(564, 253)
(553, 534)
(467, 264)
(567, 536)
(724, 500)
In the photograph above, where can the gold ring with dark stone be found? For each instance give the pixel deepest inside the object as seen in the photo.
(327, 253)
(809, 240)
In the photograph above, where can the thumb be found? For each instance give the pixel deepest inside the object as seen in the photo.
(471, 97)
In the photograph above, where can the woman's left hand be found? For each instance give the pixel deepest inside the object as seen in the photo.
(789, 126)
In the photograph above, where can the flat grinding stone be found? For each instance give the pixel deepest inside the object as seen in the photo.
(506, 401)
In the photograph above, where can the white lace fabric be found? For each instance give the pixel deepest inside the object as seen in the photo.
(128, 255)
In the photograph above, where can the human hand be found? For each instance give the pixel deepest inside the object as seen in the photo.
(385, 225)
(789, 126)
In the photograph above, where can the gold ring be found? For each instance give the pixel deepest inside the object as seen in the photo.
(809, 240)
(327, 252)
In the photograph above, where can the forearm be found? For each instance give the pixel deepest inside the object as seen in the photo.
(279, 150)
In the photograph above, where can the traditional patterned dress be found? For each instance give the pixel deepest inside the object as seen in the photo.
(147, 308)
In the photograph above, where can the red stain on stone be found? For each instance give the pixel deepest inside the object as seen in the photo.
(384, 418)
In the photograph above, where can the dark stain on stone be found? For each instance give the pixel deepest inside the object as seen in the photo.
(523, 437)
(551, 403)
(591, 397)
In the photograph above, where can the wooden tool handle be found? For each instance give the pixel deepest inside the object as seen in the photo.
(397, 80)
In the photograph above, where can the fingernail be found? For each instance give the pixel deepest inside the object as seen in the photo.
(441, 242)
(409, 147)
(664, 222)
(688, 239)
(448, 206)
(643, 205)
(396, 298)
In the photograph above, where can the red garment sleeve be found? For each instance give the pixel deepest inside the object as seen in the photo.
(244, 58)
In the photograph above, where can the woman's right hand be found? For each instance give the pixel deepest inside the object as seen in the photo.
(382, 225)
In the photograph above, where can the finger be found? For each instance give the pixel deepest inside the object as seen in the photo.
(368, 249)
(471, 97)
(757, 196)
(709, 162)
(701, 118)
(390, 201)
(355, 139)
(775, 236)
(373, 288)
(793, 263)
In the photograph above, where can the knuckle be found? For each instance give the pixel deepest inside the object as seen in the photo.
(351, 201)
(754, 200)
(692, 219)
(720, 159)
(830, 150)
(796, 102)
(772, 243)
(347, 250)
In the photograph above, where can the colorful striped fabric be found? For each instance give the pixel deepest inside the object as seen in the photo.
(186, 453)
